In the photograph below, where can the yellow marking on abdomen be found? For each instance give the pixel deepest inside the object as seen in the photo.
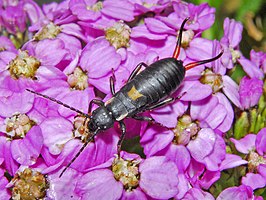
(134, 94)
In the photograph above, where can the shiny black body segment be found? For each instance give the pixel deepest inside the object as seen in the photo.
(146, 89)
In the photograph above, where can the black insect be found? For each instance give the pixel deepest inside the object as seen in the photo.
(145, 90)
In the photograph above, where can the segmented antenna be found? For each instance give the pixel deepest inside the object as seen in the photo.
(79, 152)
(178, 43)
(59, 102)
(194, 64)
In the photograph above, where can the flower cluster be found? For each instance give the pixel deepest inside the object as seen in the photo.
(69, 51)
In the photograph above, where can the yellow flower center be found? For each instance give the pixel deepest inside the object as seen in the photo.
(18, 125)
(29, 185)
(212, 79)
(50, 31)
(24, 66)
(118, 35)
(126, 171)
(78, 80)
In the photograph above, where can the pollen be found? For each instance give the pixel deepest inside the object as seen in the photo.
(118, 35)
(81, 128)
(126, 171)
(96, 7)
(18, 125)
(185, 130)
(50, 31)
(78, 80)
(148, 5)
(235, 54)
(212, 79)
(134, 94)
(24, 66)
(254, 160)
(29, 185)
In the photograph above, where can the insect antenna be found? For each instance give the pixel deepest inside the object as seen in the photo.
(179, 40)
(194, 64)
(59, 102)
(79, 152)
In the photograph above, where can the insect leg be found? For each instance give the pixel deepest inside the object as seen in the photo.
(95, 101)
(136, 70)
(148, 119)
(112, 85)
(122, 137)
(161, 103)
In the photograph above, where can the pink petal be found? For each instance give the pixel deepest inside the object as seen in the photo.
(227, 122)
(230, 89)
(216, 117)
(200, 110)
(214, 160)
(194, 91)
(208, 178)
(168, 115)
(99, 184)
(141, 31)
(58, 189)
(134, 194)
(241, 192)
(50, 52)
(195, 193)
(155, 139)
(255, 181)
(16, 102)
(122, 10)
(246, 144)
(157, 26)
(261, 141)
(232, 161)
(202, 145)
(56, 132)
(99, 58)
(26, 151)
(159, 177)
(250, 68)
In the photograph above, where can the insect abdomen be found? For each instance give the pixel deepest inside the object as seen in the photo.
(160, 79)
(154, 83)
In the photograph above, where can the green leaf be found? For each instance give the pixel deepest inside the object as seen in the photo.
(248, 6)
(241, 127)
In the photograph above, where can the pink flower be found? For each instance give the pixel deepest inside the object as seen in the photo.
(250, 91)
(241, 192)
(92, 10)
(130, 177)
(253, 146)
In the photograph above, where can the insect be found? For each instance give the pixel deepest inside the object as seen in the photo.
(146, 90)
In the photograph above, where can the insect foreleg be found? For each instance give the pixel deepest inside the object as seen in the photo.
(112, 85)
(95, 101)
(136, 70)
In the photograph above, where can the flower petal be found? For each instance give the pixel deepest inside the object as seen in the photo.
(26, 151)
(99, 184)
(159, 177)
